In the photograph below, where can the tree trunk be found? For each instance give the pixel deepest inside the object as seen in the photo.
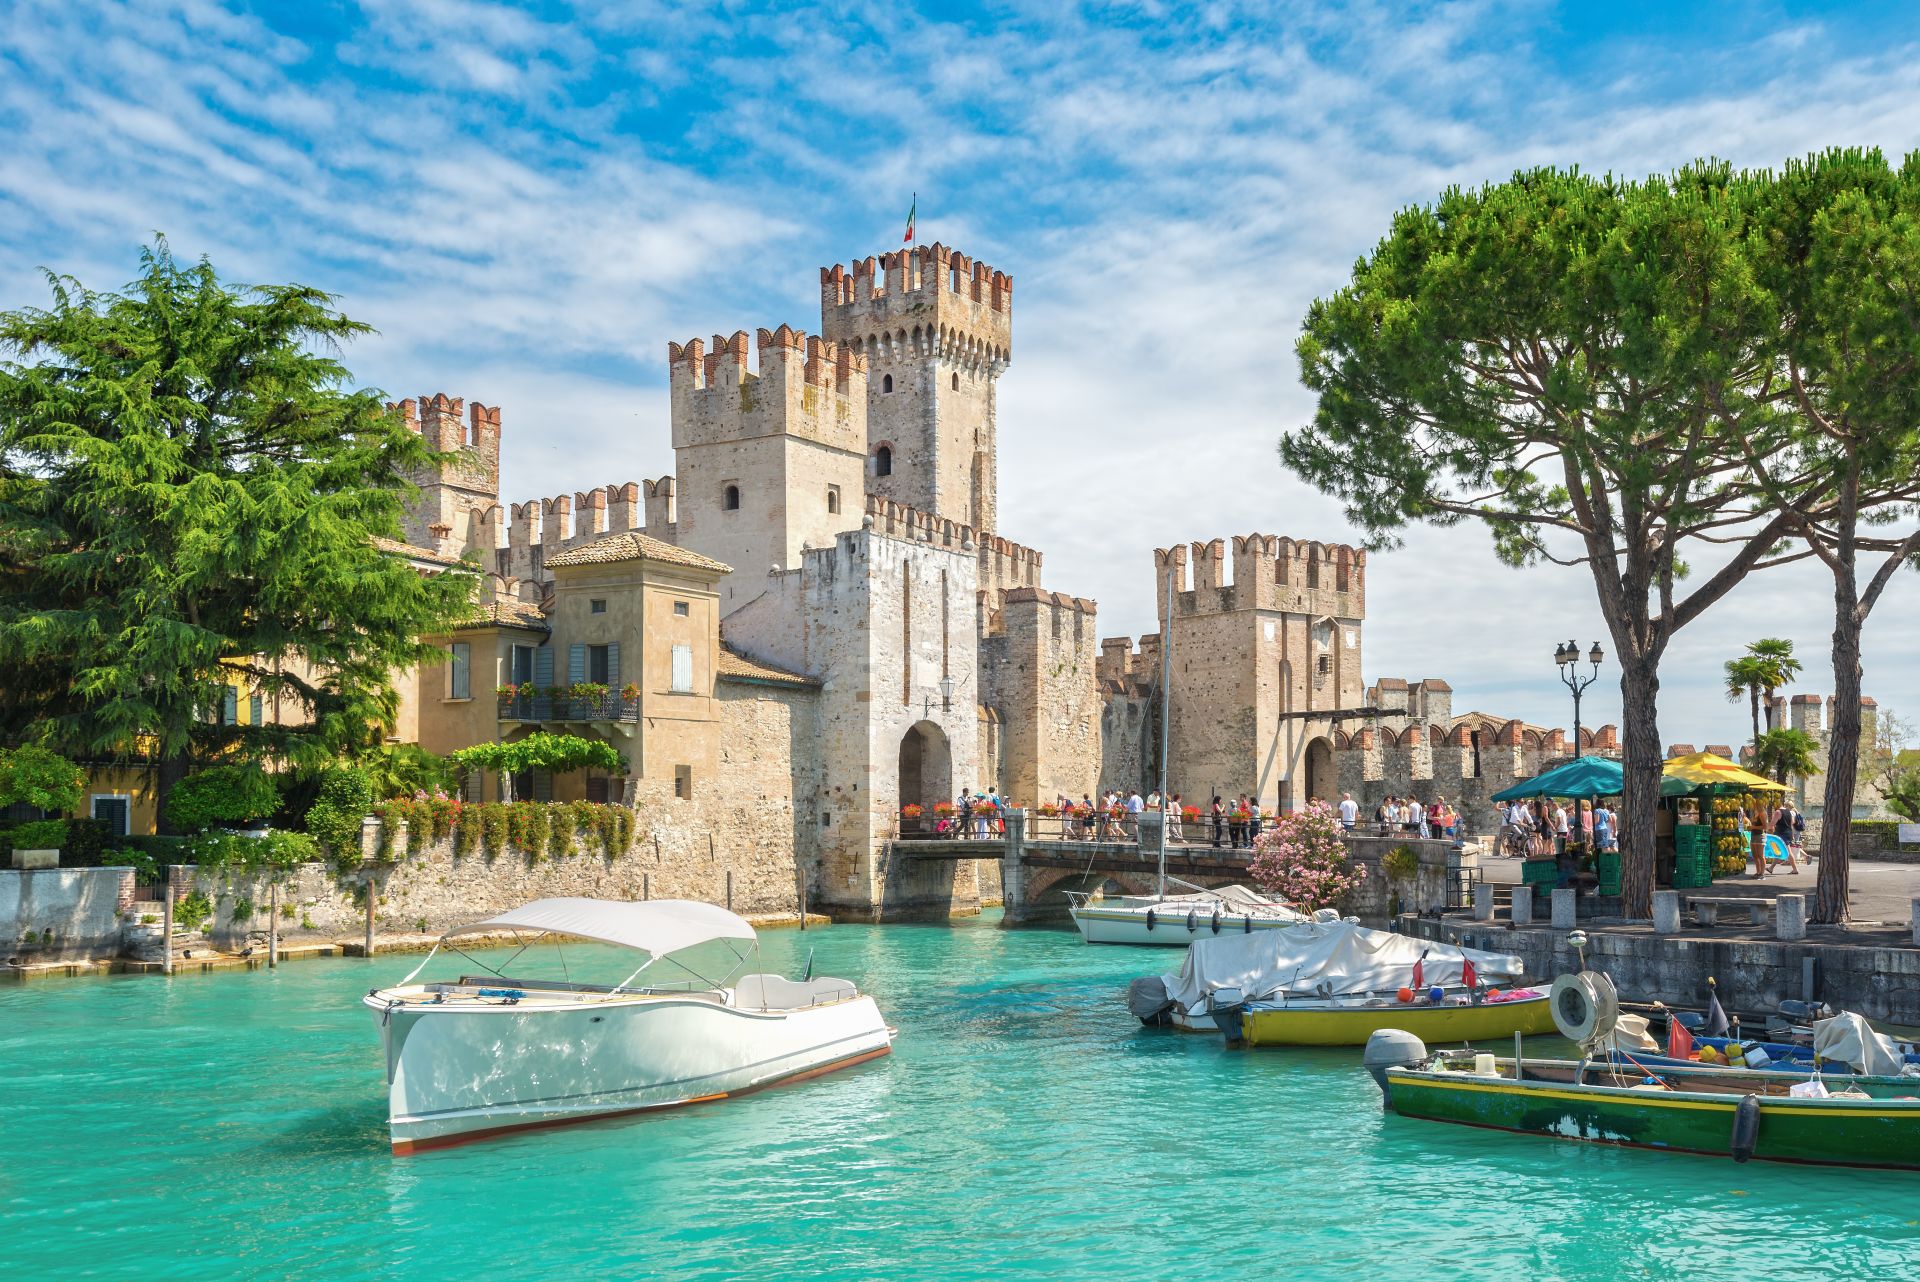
(170, 771)
(1753, 699)
(1640, 735)
(1830, 900)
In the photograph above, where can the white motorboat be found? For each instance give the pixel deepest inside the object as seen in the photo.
(485, 1055)
(1176, 920)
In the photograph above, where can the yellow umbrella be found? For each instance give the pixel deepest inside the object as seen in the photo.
(1703, 768)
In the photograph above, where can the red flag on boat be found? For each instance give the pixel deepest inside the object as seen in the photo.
(1467, 973)
(1419, 972)
(1679, 1040)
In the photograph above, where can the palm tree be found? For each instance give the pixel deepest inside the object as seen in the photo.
(1746, 678)
(1786, 752)
(1777, 666)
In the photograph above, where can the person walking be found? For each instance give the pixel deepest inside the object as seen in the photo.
(1237, 822)
(1134, 806)
(1174, 816)
(1602, 826)
(1783, 829)
(1219, 820)
(1349, 811)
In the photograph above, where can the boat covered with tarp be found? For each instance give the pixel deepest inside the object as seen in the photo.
(1332, 983)
(1177, 919)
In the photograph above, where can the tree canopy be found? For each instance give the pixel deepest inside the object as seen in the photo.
(190, 490)
(1573, 362)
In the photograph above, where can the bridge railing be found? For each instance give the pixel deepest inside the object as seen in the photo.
(1116, 828)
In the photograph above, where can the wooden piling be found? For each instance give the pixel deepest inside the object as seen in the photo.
(370, 895)
(166, 928)
(646, 885)
(729, 890)
(273, 925)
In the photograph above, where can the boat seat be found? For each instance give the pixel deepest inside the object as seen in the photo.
(775, 992)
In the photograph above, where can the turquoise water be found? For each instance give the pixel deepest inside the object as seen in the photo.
(231, 1126)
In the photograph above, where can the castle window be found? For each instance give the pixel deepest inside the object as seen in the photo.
(886, 383)
(883, 461)
(833, 499)
(956, 382)
(730, 498)
(596, 606)
(680, 609)
(683, 782)
(1326, 665)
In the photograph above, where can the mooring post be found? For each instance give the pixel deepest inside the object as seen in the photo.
(166, 926)
(803, 899)
(729, 890)
(370, 898)
(273, 924)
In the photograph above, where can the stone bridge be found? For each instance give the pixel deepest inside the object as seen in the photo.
(1035, 874)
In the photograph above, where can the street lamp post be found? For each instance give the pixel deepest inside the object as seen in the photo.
(1568, 659)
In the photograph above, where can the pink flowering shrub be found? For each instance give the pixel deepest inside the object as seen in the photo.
(1301, 858)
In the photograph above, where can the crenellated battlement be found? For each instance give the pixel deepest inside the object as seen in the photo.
(465, 482)
(1263, 572)
(523, 535)
(895, 292)
(786, 356)
(1004, 564)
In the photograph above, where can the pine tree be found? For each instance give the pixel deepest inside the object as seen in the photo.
(190, 487)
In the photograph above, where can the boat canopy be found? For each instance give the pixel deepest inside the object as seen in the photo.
(1330, 959)
(655, 927)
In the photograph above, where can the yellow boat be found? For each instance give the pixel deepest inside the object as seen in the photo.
(1335, 1023)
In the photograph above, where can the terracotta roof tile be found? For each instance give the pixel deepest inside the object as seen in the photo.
(509, 612)
(414, 553)
(738, 667)
(631, 545)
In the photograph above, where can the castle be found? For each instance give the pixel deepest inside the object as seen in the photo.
(814, 617)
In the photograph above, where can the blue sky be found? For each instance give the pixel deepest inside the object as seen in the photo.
(529, 202)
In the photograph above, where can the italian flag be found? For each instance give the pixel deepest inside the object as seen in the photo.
(911, 209)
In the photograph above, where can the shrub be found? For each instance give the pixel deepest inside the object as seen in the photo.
(406, 770)
(1303, 859)
(1400, 864)
(344, 800)
(41, 834)
(493, 827)
(222, 795)
(557, 753)
(240, 853)
(39, 778)
(192, 911)
(145, 867)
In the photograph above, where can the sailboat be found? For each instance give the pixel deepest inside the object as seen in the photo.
(1191, 912)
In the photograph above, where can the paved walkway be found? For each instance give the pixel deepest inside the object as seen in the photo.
(1882, 893)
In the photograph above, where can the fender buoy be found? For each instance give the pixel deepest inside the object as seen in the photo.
(1249, 923)
(1746, 1127)
(1193, 920)
(1216, 921)
(1149, 919)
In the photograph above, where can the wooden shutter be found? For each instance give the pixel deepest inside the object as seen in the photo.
(543, 785)
(613, 666)
(230, 707)
(576, 663)
(543, 666)
(256, 710)
(682, 669)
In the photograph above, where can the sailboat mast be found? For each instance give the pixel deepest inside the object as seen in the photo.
(1166, 719)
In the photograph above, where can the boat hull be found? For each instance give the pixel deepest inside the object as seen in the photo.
(1869, 1133)
(1168, 930)
(461, 1073)
(1305, 1025)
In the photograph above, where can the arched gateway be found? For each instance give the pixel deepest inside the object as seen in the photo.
(926, 766)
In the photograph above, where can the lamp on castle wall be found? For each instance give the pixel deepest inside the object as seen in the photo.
(1568, 659)
(946, 699)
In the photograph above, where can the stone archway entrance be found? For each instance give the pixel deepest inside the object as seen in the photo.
(1321, 779)
(926, 766)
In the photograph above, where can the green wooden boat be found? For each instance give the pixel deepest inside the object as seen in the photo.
(1718, 1112)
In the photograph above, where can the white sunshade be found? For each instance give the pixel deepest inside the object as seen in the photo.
(656, 927)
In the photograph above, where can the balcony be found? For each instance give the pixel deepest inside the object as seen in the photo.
(543, 707)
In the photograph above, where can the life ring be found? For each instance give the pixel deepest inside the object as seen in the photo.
(1585, 1006)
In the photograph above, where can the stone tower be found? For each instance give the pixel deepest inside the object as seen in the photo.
(769, 461)
(936, 329)
(454, 495)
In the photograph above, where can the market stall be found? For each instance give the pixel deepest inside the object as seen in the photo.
(1710, 796)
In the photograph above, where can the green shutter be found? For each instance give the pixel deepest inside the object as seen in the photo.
(613, 666)
(576, 663)
(230, 707)
(256, 710)
(543, 666)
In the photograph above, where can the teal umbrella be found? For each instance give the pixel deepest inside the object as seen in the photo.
(1583, 778)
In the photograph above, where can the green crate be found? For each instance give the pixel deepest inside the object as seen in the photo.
(1692, 839)
(1607, 864)
(1540, 872)
(1685, 878)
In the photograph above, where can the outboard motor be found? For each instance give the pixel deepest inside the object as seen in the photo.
(1147, 999)
(1226, 1005)
(1391, 1048)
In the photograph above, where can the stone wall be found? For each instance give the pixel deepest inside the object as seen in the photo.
(1037, 672)
(1882, 983)
(71, 914)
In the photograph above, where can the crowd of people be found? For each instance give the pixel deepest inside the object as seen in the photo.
(1394, 815)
